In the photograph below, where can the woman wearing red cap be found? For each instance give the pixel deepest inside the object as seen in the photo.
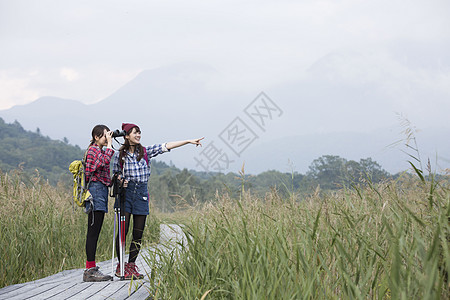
(132, 163)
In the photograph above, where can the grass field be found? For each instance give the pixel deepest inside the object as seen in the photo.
(42, 234)
(389, 241)
(385, 241)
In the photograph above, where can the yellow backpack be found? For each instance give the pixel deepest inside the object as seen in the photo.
(81, 193)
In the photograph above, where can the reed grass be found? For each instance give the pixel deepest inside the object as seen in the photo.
(41, 233)
(385, 241)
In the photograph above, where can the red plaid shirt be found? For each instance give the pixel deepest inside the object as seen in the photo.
(97, 164)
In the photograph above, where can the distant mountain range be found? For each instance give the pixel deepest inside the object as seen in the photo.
(177, 102)
(148, 100)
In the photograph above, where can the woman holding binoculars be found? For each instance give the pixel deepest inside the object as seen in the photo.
(98, 177)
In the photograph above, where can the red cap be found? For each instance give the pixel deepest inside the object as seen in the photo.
(128, 126)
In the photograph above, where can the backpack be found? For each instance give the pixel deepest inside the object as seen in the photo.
(81, 194)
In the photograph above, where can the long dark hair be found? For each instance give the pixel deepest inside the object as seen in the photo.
(126, 146)
(98, 131)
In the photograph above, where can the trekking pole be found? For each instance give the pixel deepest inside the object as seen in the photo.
(114, 245)
(122, 224)
(118, 193)
(114, 193)
(122, 237)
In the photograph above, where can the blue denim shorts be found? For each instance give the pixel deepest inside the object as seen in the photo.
(136, 198)
(99, 193)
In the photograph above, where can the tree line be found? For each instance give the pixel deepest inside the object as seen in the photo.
(31, 153)
(172, 188)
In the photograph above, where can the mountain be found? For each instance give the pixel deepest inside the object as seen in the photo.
(55, 117)
(183, 101)
(170, 103)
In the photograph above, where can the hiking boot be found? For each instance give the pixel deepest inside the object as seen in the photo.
(133, 269)
(94, 275)
(126, 275)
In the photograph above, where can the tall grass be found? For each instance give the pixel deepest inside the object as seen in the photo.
(386, 241)
(41, 234)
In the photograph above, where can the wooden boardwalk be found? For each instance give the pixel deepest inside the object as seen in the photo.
(69, 284)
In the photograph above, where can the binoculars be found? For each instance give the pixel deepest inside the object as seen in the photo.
(119, 133)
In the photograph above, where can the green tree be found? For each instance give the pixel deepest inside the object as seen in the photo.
(327, 171)
(31, 151)
(373, 170)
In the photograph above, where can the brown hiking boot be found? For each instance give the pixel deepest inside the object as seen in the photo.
(94, 275)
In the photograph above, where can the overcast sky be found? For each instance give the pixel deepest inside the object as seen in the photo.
(85, 50)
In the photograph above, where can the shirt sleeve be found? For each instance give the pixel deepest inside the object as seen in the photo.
(156, 149)
(95, 159)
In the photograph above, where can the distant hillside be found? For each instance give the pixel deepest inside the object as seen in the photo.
(172, 188)
(27, 151)
(178, 102)
(30, 151)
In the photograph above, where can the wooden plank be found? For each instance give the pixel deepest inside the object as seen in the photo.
(92, 288)
(131, 289)
(111, 290)
(30, 291)
(68, 284)
(24, 289)
(11, 288)
(57, 292)
(61, 276)
(72, 291)
(141, 293)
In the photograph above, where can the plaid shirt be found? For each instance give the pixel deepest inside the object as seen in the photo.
(97, 164)
(135, 170)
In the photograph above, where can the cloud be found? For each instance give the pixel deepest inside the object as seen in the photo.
(15, 88)
(69, 74)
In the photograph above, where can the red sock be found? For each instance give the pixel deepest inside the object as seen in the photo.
(90, 264)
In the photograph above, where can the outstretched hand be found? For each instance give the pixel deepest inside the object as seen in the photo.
(196, 142)
(172, 145)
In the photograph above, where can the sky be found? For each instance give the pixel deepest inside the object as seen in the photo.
(85, 50)
(331, 65)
